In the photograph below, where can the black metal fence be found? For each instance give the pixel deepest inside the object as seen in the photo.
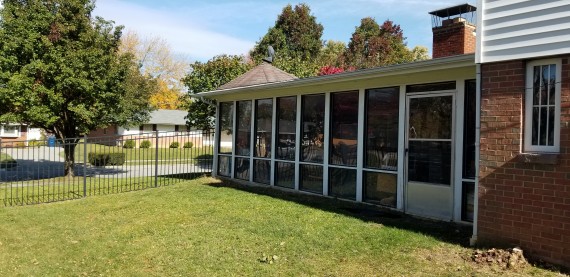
(33, 172)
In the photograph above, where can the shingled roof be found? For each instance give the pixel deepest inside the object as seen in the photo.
(261, 74)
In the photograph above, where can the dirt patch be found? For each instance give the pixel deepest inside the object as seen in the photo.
(511, 258)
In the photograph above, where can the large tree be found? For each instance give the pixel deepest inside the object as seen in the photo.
(374, 45)
(206, 77)
(156, 60)
(296, 39)
(60, 70)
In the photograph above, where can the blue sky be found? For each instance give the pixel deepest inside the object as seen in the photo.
(200, 29)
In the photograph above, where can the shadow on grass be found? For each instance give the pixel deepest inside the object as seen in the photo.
(443, 231)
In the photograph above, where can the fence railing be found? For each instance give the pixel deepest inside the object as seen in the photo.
(33, 172)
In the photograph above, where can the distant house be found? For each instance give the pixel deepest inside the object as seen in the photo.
(162, 121)
(14, 134)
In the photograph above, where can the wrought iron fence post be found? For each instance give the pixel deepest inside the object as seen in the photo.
(156, 159)
(84, 165)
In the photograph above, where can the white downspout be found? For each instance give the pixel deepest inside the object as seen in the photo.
(473, 239)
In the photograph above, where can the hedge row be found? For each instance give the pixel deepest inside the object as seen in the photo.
(103, 159)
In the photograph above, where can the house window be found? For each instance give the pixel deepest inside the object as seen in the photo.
(10, 130)
(542, 118)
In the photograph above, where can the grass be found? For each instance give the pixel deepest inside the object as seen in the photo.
(6, 161)
(144, 154)
(208, 228)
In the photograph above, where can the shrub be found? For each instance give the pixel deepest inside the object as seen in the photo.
(36, 143)
(104, 159)
(129, 144)
(175, 144)
(145, 144)
(188, 144)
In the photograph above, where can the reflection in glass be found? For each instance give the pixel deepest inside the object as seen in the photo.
(430, 117)
(243, 139)
(344, 128)
(263, 123)
(469, 131)
(544, 96)
(311, 178)
(468, 201)
(342, 183)
(261, 171)
(224, 166)
(429, 162)
(380, 188)
(285, 175)
(381, 136)
(286, 127)
(242, 168)
(226, 127)
(313, 120)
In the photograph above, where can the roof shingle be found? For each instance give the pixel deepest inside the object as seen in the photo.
(261, 74)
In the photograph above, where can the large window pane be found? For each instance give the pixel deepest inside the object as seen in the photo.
(243, 119)
(285, 175)
(380, 188)
(342, 183)
(313, 128)
(544, 96)
(311, 178)
(469, 131)
(344, 128)
(429, 162)
(382, 119)
(224, 166)
(286, 127)
(468, 201)
(226, 127)
(430, 117)
(261, 171)
(242, 168)
(263, 123)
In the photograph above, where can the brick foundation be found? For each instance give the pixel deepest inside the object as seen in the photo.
(524, 200)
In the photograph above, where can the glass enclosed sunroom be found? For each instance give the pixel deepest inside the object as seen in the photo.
(401, 136)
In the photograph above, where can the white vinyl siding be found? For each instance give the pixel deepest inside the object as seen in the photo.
(514, 29)
(542, 115)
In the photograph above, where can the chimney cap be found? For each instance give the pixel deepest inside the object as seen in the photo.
(455, 10)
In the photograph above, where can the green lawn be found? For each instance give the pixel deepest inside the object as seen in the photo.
(145, 154)
(208, 228)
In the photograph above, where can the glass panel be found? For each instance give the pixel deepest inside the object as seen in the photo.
(311, 178)
(431, 87)
(544, 84)
(226, 127)
(535, 126)
(243, 128)
(344, 128)
(469, 131)
(468, 201)
(242, 168)
(262, 171)
(285, 175)
(536, 85)
(286, 127)
(263, 126)
(313, 128)
(430, 117)
(551, 126)
(543, 125)
(381, 136)
(552, 85)
(429, 162)
(342, 183)
(380, 188)
(224, 166)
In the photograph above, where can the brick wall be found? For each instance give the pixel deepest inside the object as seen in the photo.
(16, 141)
(522, 202)
(453, 38)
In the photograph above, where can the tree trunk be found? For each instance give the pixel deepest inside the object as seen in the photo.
(69, 151)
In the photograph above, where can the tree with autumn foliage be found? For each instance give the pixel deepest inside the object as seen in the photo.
(373, 45)
(209, 76)
(157, 61)
(296, 39)
(61, 70)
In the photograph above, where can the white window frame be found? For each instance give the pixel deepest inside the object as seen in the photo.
(7, 135)
(528, 147)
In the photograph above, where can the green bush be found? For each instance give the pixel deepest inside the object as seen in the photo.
(188, 144)
(145, 144)
(104, 159)
(35, 143)
(175, 144)
(129, 144)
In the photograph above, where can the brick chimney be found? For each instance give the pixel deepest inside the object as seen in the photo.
(453, 33)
